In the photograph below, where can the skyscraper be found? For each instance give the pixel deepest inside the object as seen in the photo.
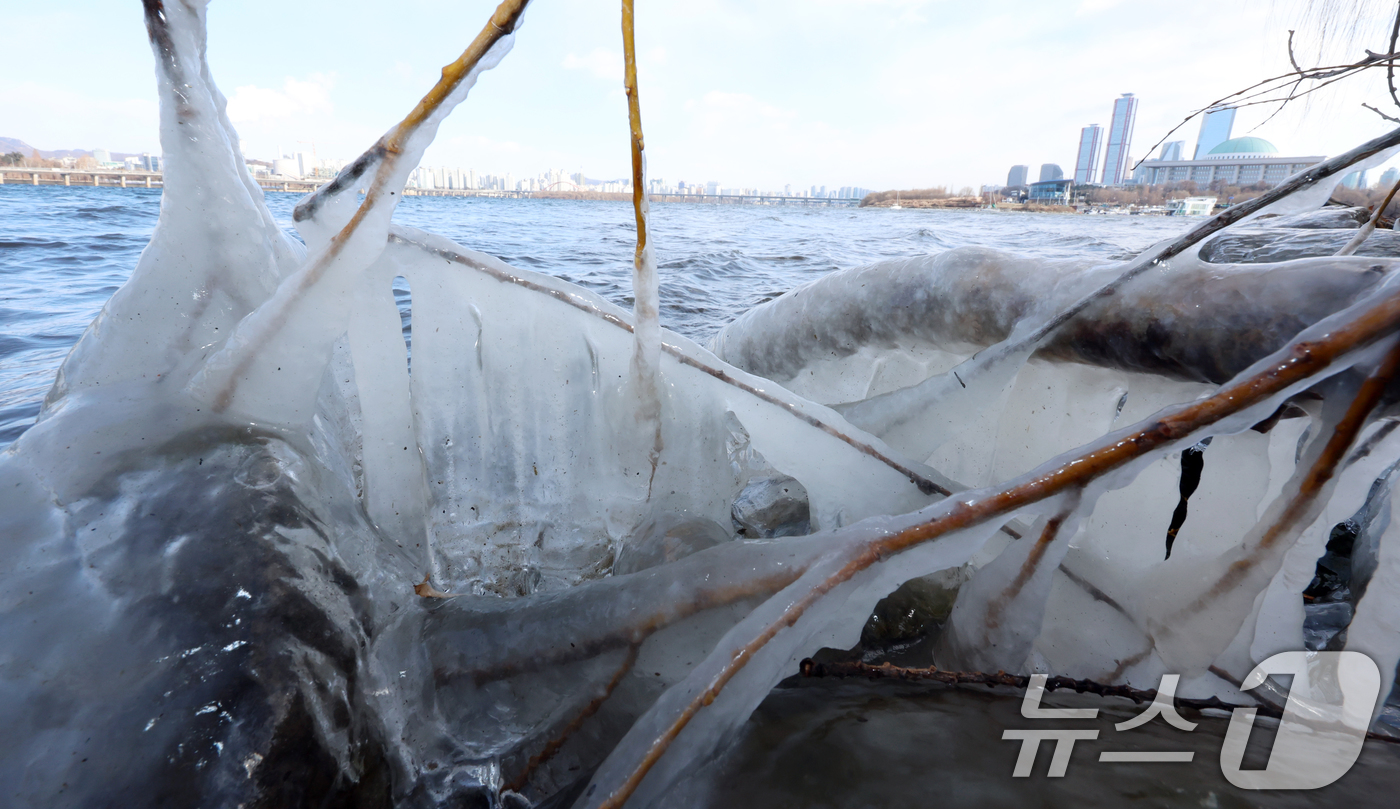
(1120, 137)
(1215, 130)
(1017, 176)
(1171, 150)
(1051, 171)
(1087, 164)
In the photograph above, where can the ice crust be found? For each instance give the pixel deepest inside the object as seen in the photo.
(217, 525)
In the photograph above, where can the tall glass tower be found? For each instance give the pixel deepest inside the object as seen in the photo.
(1087, 164)
(1120, 137)
(1215, 130)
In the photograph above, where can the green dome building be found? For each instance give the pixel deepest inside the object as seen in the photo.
(1245, 147)
(1238, 161)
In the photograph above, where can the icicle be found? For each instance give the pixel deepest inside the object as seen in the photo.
(270, 369)
(646, 307)
(1189, 636)
(1375, 629)
(998, 614)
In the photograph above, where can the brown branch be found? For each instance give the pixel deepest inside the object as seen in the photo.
(1298, 362)
(885, 671)
(1367, 229)
(841, 670)
(1028, 567)
(634, 121)
(557, 743)
(645, 297)
(389, 147)
(1313, 483)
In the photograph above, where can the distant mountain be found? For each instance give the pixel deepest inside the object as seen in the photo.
(8, 145)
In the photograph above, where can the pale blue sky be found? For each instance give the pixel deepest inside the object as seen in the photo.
(874, 93)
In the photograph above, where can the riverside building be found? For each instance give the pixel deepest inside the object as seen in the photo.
(1216, 127)
(1120, 137)
(1086, 165)
(1237, 161)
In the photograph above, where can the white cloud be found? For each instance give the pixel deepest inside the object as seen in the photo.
(603, 63)
(718, 109)
(1095, 6)
(297, 97)
(51, 116)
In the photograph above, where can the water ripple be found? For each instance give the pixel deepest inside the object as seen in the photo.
(64, 251)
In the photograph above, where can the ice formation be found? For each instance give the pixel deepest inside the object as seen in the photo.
(255, 559)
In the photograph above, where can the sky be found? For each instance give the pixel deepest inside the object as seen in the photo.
(870, 93)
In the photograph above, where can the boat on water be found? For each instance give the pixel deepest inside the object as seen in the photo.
(1191, 206)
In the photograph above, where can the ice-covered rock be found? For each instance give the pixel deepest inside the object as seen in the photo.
(673, 537)
(1271, 245)
(1329, 216)
(772, 507)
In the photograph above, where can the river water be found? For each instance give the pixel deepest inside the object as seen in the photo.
(64, 251)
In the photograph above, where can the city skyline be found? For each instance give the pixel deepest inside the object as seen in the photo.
(721, 97)
(1086, 162)
(1117, 151)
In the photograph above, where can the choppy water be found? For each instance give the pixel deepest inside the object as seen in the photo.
(64, 251)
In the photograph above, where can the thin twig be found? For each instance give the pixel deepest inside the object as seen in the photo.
(1390, 66)
(1242, 98)
(885, 671)
(1319, 474)
(1390, 118)
(1296, 67)
(646, 301)
(1219, 222)
(924, 484)
(388, 148)
(1367, 229)
(557, 743)
(998, 605)
(1296, 363)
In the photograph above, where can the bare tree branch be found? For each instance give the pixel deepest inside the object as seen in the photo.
(1260, 92)
(1390, 67)
(1302, 360)
(1390, 118)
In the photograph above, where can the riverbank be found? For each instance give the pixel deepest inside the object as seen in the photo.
(967, 203)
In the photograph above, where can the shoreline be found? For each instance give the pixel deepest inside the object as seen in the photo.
(970, 204)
